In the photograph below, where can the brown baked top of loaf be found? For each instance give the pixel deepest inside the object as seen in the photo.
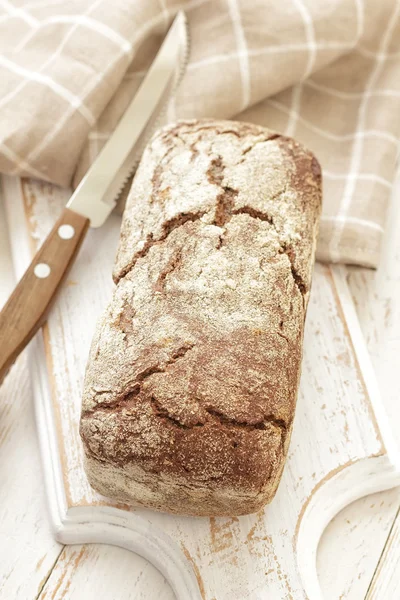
(192, 380)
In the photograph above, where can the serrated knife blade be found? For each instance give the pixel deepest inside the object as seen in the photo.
(93, 200)
(96, 195)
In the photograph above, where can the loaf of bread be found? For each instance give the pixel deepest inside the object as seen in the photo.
(192, 379)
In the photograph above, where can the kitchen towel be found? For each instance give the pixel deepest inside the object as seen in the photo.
(324, 71)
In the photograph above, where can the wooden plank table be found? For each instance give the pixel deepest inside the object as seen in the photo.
(357, 554)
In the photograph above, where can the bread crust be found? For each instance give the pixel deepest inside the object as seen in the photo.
(193, 374)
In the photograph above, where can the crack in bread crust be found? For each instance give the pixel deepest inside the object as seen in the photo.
(136, 385)
(297, 278)
(168, 227)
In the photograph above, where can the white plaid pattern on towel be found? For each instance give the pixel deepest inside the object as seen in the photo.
(327, 73)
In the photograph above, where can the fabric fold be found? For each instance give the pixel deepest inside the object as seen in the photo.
(325, 73)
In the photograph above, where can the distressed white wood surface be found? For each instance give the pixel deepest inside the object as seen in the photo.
(86, 572)
(28, 548)
(386, 582)
(377, 296)
(352, 545)
(355, 540)
(341, 436)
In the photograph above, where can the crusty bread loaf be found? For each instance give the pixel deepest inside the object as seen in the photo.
(192, 380)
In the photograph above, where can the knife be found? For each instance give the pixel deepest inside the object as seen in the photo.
(93, 200)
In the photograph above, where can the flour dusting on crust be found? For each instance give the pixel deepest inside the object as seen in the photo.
(193, 375)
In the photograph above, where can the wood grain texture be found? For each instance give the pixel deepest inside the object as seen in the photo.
(354, 542)
(27, 308)
(334, 416)
(377, 297)
(28, 549)
(95, 571)
(352, 545)
(386, 582)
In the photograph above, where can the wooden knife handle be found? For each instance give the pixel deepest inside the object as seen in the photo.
(27, 308)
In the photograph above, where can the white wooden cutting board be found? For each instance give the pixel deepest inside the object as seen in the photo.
(341, 446)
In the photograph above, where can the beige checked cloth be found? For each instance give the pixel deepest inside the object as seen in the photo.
(324, 71)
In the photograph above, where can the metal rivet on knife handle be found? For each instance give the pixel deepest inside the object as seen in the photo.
(29, 304)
